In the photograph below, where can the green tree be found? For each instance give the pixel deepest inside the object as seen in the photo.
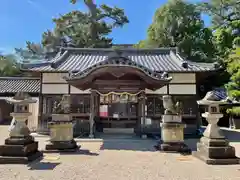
(178, 23)
(85, 29)
(78, 29)
(9, 65)
(95, 24)
(226, 38)
(222, 13)
(225, 16)
(233, 86)
(32, 52)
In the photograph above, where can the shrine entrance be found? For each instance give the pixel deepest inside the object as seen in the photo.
(117, 88)
(119, 111)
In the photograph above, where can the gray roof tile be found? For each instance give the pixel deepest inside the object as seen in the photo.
(159, 60)
(16, 84)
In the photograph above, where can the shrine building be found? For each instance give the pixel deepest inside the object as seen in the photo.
(121, 89)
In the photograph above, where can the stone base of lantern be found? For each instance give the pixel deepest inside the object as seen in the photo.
(216, 152)
(172, 138)
(61, 137)
(19, 150)
(64, 146)
(179, 147)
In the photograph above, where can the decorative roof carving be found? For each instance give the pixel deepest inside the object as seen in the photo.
(119, 59)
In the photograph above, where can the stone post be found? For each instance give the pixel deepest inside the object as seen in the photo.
(61, 128)
(213, 147)
(20, 147)
(172, 129)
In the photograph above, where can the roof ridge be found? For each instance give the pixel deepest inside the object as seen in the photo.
(157, 50)
(177, 58)
(57, 61)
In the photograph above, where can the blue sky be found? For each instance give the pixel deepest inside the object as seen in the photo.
(26, 20)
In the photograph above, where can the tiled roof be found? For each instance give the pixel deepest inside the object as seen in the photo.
(79, 59)
(16, 84)
(220, 94)
(118, 60)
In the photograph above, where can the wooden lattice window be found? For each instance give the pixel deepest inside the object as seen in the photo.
(49, 101)
(154, 105)
(80, 104)
(189, 104)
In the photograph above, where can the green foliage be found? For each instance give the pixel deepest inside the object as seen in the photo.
(222, 13)
(225, 16)
(145, 44)
(85, 29)
(178, 23)
(234, 111)
(233, 87)
(225, 39)
(77, 29)
(33, 52)
(9, 66)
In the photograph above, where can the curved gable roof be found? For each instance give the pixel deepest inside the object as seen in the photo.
(80, 59)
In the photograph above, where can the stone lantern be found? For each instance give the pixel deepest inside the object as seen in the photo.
(172, 128)
(61, 127)
(20, 147)
(213, 147)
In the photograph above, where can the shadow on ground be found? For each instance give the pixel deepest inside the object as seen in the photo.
(43, 166)
(80, 152)
(140, 145)
(232, 136)
(192, 144)
(77, 152)
(126, 142)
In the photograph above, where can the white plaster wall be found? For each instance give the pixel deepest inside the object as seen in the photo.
(54, 88)
(33, 119)
(74, 90)
(183, 77)
(162, 90)
(182, 88)
(53, 77)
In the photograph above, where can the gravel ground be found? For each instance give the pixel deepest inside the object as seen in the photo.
(119, 160)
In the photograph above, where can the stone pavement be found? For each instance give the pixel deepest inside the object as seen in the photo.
(119, 159)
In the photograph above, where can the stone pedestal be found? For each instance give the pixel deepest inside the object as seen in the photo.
(172, 135)
(20, 147)
(172, 138)
(213, 147)
(61, 133)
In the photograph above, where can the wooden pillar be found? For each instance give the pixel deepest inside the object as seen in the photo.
(142, 104)
(42, 126)
(40, 107)
(92, 114)
(143, 108)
